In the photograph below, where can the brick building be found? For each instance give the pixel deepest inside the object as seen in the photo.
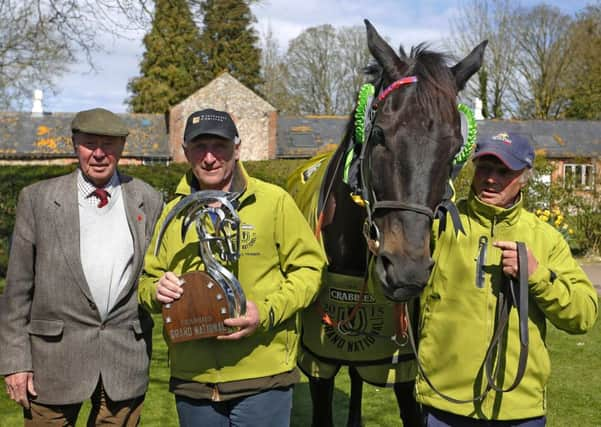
(255, 118)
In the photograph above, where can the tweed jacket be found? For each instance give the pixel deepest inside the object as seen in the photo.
(49, 323)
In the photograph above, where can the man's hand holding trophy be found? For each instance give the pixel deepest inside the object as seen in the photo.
(197, 303)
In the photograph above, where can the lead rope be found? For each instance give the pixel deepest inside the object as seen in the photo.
(522, 306)
(401, 325)
(504, 305)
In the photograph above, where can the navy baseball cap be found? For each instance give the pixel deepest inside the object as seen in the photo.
(514, 150)
(211, 122)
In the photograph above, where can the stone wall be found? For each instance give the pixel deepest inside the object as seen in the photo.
(255, 118)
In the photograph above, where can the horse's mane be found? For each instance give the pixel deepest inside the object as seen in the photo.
(436, 82)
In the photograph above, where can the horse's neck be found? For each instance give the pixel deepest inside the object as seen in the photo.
(342, 233)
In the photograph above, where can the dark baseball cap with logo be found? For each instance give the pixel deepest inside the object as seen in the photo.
(514, 150)
(211, 122)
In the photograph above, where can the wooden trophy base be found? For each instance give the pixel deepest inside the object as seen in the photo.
(200, 311)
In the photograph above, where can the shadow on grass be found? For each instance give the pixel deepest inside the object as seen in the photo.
(302, 408)
(572, 393)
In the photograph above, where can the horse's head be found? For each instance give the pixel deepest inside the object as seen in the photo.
(408, 156)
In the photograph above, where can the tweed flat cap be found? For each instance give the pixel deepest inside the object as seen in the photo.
(99, 121)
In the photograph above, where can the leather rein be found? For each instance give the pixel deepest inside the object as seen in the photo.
(512, 294)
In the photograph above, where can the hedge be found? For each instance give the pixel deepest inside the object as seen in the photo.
(584, 214)
(163, 178)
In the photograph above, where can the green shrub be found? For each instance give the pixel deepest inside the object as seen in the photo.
(582, 214)
(163, 178)
(274, 171)
(12, 180)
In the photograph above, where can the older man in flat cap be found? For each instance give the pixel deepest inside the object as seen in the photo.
(70, 326)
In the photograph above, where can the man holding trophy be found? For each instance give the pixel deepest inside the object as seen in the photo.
(253, 260)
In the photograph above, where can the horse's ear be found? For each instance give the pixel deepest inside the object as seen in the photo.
(383, 53)
(469, 65)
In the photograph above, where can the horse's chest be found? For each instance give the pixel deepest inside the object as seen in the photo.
(366, 334)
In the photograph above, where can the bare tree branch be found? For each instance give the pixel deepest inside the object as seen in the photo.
(325, 68)
(542, 37)
(491, 20)
(40, 39)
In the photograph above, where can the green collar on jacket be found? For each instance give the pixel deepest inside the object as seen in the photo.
(241, 183)
(488, 215)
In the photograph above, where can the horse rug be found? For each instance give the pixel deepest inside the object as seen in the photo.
(366, 342)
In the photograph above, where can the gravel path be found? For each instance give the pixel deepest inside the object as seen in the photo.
(594, 273)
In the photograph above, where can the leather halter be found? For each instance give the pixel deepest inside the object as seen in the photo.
(370, 230)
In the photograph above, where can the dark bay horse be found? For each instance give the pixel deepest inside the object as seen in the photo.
(410, 136)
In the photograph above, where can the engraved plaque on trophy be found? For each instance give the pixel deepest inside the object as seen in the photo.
(213, 295)
(200, 312)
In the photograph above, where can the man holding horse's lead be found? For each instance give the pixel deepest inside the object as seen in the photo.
(491, 291)
(244, 378)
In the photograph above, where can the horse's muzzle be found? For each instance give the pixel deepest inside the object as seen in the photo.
(401, 278)
(402, 294)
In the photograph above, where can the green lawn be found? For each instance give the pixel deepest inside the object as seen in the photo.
(573, 397)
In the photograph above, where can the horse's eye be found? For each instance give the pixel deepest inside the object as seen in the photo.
(377, 136)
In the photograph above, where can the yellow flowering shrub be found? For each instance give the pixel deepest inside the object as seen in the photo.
(557, 219)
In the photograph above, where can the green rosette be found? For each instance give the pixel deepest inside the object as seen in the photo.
(365, 93)
(472, 133)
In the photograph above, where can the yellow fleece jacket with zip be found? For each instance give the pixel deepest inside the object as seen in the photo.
(279, 269)
(458, 314)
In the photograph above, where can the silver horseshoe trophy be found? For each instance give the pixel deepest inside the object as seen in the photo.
(212, 295)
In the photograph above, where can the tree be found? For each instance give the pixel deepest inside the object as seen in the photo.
(480, 20)
(274, 76)
(26, 58)
(582, 81)
(171, 66)
(40, 38)
(325, 68)
(315, 72)
(354, 55)
(541, 34)
(229, 41)
(483, 82)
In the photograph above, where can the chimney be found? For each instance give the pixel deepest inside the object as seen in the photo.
(37, 109)
(478, 109)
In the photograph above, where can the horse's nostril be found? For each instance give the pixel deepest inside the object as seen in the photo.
(386, 263)
(397, 271)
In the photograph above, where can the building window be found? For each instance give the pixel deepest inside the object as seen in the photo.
(150, 161)
(578, 176)
(304, 140)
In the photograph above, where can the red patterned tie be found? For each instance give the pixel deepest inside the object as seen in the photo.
(103, 195)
